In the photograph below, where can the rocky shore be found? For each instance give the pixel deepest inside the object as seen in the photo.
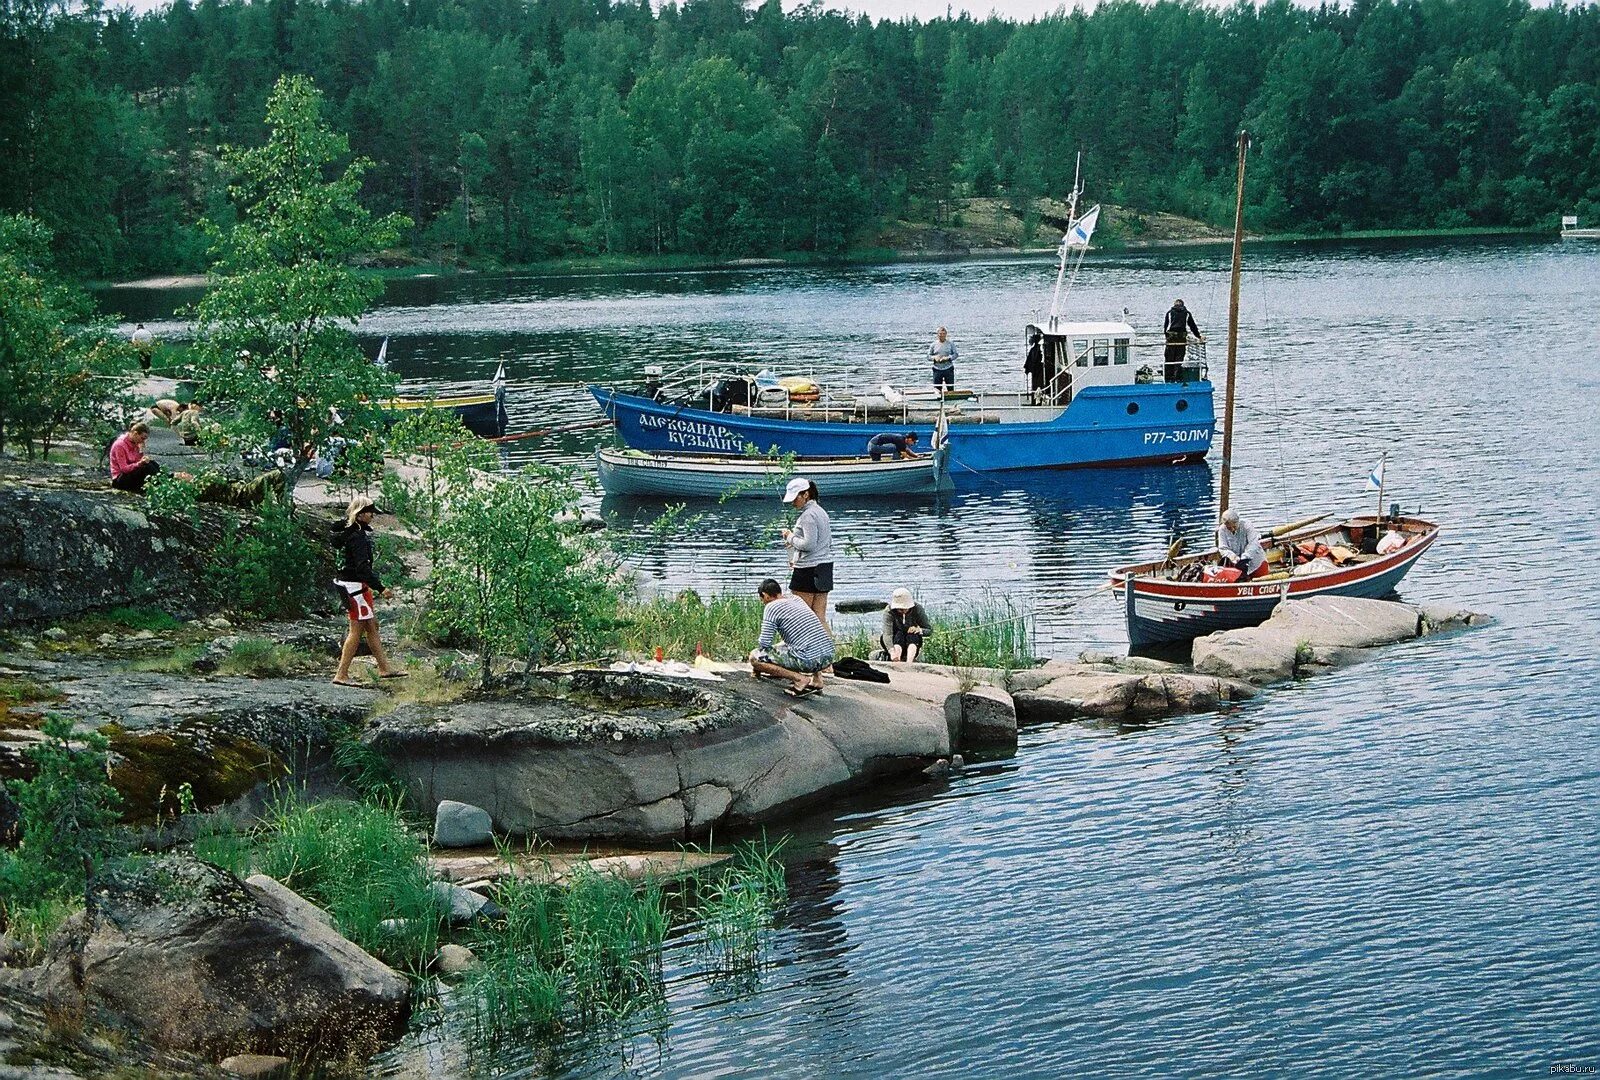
(192, 965)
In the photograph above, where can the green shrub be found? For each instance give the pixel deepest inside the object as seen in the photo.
(514, 576)
(269, 567)
(67, 812)
(179, 661)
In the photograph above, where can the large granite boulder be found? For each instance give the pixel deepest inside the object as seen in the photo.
(593, 755)
(1322, 629)
(192, 958)
(65, 551)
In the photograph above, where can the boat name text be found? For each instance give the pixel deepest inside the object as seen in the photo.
(694, 434)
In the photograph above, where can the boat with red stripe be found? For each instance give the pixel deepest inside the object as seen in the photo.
(1163, 608)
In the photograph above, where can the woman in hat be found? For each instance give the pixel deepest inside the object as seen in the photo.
(905, 625)
(810, 543)
(357, 583)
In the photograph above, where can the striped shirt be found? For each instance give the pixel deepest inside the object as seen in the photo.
(800, 629)
(812, 537)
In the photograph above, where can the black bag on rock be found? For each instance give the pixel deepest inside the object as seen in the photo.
(850, 668)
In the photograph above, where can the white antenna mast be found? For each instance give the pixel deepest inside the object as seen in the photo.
(1072, 219)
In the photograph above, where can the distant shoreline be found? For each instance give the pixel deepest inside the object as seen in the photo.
(644, 264)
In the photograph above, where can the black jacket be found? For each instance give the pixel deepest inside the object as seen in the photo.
(356, 543)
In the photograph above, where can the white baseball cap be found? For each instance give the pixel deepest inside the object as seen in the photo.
(796, 486)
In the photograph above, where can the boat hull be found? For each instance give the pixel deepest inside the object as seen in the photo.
(1125, 425)
(697, 477)
(1161, 612)
(482, 414)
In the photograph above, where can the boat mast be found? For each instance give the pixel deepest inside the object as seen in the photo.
(1072, 219)
(1233, 327)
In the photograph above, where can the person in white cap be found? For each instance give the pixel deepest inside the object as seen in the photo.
(905, 626)
(810, 545)
(1240, 544)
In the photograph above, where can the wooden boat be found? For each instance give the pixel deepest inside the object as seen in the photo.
(697, 476)
(482, 414)
(1164, 602)
(1162, 608)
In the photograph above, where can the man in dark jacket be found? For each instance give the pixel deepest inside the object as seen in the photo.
(1177, 327)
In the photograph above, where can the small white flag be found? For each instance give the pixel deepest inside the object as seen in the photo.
(1375, 477)
(1080, 231)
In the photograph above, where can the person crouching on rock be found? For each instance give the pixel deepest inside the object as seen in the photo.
(807, 646)
(130, 466)
(357, 582)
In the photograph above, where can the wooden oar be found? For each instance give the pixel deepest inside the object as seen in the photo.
(1294, 526)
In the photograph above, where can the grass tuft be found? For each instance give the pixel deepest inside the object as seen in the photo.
(736, 907)
(263, 658)
(179, 661)
(725, 626)
(364, 866)
(16, 689)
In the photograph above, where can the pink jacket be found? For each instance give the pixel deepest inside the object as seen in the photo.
(124, 455)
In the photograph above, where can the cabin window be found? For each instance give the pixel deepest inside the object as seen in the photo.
(1080, 352)
(1121, 351)
(1102, 352)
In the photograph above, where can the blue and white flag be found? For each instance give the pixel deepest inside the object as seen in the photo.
(1080, 231)
(1375, 477)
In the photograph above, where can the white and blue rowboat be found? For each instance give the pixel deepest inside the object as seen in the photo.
(1164, 610)
(693, 476)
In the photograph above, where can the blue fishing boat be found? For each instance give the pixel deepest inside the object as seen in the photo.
(1088, 401)
(988, 432)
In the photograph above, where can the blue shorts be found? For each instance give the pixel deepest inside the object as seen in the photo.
(781, 656)
(945, 377)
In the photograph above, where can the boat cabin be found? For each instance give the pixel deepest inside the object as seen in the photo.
(1064, 357)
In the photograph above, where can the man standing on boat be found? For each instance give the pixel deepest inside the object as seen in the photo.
(1178, 326)
(1240, 544)
(943, 354)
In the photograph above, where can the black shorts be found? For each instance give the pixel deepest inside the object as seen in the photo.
(815, 579)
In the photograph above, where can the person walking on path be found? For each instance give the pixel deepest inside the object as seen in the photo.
(905, 626)
(358, 582)
(806, 649)
(144, 342)
(1177, 327)
(810, 543)
(943, 354)
(130, 466)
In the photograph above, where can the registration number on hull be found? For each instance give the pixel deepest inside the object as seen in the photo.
(1183, 435)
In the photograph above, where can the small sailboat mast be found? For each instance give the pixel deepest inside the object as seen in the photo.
(1233, 327)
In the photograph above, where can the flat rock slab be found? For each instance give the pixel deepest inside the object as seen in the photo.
(1325, 630)
(610, 756)
(1096, 690)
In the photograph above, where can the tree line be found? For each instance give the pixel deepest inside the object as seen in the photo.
(517, 130)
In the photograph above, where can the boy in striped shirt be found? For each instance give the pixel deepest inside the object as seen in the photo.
(807, 646)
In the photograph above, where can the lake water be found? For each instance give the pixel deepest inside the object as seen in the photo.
(1391, 868)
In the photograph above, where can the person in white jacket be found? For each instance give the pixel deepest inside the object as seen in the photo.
(810, 545)
(1240, 544)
